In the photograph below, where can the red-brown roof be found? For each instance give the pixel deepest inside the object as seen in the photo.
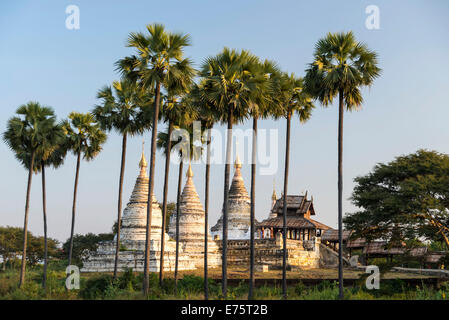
(297, 204)
(434, 257)
(331, 235)
(292, 222)
(356, 243)
(380, 247)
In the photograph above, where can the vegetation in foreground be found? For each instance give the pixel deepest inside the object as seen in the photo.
(128, 286)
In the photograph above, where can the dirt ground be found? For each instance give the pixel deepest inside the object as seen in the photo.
(297, 274)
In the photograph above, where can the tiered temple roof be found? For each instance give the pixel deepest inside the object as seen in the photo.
(299, 210)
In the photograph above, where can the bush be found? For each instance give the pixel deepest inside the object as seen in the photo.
(95, 288)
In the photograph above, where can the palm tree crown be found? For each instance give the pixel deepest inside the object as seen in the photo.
(29, 131)
(341, 64)
(84, 135)
(125, 108)
(159, 56)
(294, 98)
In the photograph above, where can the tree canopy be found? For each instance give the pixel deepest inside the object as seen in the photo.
(11, 242)
(403, 200)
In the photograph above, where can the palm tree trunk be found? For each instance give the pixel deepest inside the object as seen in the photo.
(25, 223)
(146, 278)
(253, 208)
(178, 203)
(75, 190)
(119, 206)
(284, 208)
(44, 211)
(224, 262)
(206, 215)
(164, 202)
(340, 194)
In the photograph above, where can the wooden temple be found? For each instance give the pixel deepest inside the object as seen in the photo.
(300, 225)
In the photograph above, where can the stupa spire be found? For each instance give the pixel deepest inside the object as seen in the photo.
(238, 190)
(237, 163)
(143, 162)
(189, 173)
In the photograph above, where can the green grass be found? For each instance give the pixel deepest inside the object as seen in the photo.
(128, 287)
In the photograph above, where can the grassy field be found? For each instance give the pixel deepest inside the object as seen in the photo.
(190, 286)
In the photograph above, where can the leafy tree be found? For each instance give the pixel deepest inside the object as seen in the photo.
(11, 243)
(341, 67)
(171, 209)
(123, 107)
(29, 132)
(158, 61)
(404, 200)
(84, 136)
(84, 245)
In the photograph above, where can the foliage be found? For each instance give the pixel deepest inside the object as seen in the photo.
(125, 107)
(159, 57)
(341, 65)
(31, 130)
(11, 244)
(404, 200)
(171, 209)
(83, 245)
(84, 135)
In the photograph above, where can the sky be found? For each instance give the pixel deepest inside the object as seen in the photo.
(41, 60)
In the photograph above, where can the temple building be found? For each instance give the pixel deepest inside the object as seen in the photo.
(304, 242)
(191, 227)
(239, 209)
(300, 225)
(134, 219)
(133, 234)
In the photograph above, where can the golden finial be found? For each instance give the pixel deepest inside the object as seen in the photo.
(143, 162)
(189, 173)
(274, 196)
(238, 163)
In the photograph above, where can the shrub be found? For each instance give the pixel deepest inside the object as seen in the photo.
(95, 288)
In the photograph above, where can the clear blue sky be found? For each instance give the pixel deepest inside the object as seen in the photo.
(406, 109)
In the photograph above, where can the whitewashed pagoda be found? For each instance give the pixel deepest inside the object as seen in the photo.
(133, 233)
(239, 209)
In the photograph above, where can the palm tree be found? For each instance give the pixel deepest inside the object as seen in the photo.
(208, 116)
(173, 110)
(186, 150)
(52, 152)
(122, 109)
(295, 99)
(56, 159)
(84, 137)
(159, 56)
(263, 104)
(226, 87)
(341, 67)
(27, 133)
